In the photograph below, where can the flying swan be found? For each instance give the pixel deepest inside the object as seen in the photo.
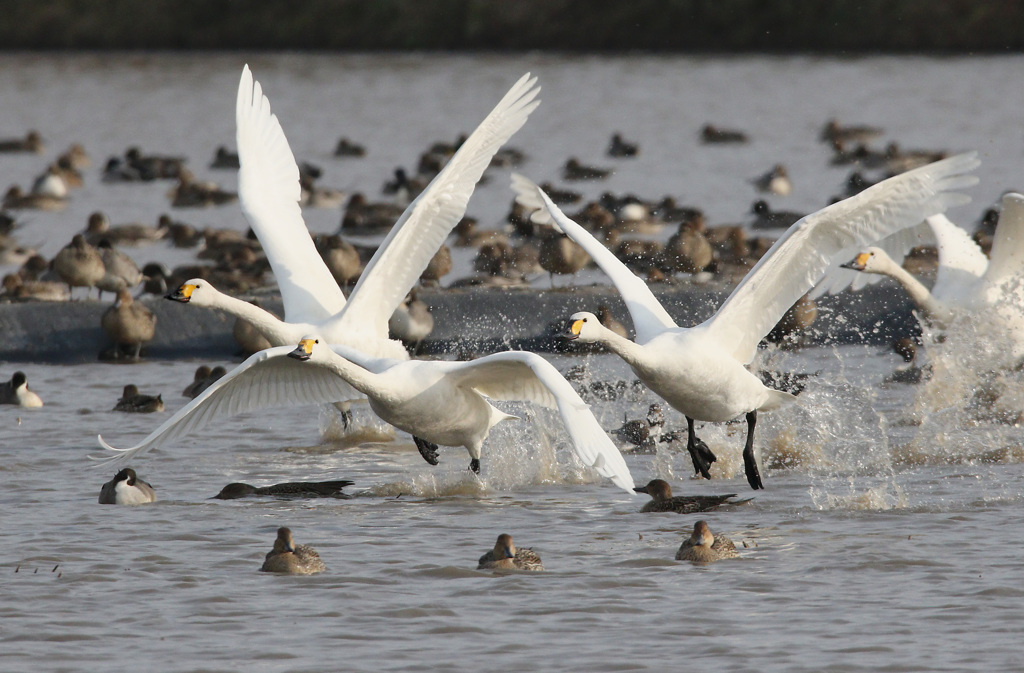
(313, 303)
(966, 281)
(436, 402)
(701, 370)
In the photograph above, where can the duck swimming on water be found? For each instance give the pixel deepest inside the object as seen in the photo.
(287, 557)
(300, 489)
(703, 547)
(662, 499)
(126, 489)
(505, 556)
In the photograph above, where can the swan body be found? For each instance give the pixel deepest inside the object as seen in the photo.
(436, 402)
(701, 370)
(966, 281)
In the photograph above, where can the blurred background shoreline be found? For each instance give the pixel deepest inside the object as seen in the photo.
(665, 26)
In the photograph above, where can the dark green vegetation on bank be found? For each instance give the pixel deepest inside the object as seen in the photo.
(567, 25)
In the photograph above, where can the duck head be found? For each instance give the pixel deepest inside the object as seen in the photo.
(504, 548)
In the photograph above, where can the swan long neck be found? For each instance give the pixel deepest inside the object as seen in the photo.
(628, 350)
(359, 378)
(269, 326)
(919, 294)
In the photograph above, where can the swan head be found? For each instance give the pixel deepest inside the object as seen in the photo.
(583, 326)
(702, 536)
(195, 291)
(504, 548)
(872, 260)
(304, 351)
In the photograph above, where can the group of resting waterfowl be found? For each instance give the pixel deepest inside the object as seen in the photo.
(330, 348)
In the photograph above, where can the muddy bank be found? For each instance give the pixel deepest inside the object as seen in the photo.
(469, 321)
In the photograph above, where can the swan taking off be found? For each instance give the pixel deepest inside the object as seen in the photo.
(436, 402)
(269, 192)
(966, 281)
(701, 370)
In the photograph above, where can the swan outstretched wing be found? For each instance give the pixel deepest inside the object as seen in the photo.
(961, 261)
(268, 188)
(428, 220)
(1008, 243)
(649, 317)
(799, 258)
(528, 377)
(266, 379)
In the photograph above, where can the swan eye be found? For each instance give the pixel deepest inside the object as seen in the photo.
(316, 341)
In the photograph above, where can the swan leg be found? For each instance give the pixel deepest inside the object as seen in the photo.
(749, 462)
(474, 465)
(700, 453)
(346, 414)
(427, 449)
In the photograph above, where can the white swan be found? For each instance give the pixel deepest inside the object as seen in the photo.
(436, 402)
(966, 280)
(313, 303)
(701, 370)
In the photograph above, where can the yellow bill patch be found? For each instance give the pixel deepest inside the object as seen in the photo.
(577, 325)
(862, 258)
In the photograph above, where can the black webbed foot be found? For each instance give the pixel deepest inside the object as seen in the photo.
(700, 453)
(474, 465)
(427, 449)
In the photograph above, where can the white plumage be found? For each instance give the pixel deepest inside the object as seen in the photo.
(437, 402)
(701, 370)
(966, 282)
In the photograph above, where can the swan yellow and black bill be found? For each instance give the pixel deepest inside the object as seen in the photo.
(859, 262)
(572, 331)
(182, 294)
(304, 350)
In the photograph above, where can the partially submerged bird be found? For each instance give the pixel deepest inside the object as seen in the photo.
(775, 181)
(16, 392)
(126, 489)
(292, 489)
(662, 499)
(619, 147)
(132, 401)
(643, 433)
(505, 556)
(287, 557)
(703, 547)
(701, 370)
(203, 379)
(437, 402)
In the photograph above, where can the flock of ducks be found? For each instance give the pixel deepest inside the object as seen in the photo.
(333, 348)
